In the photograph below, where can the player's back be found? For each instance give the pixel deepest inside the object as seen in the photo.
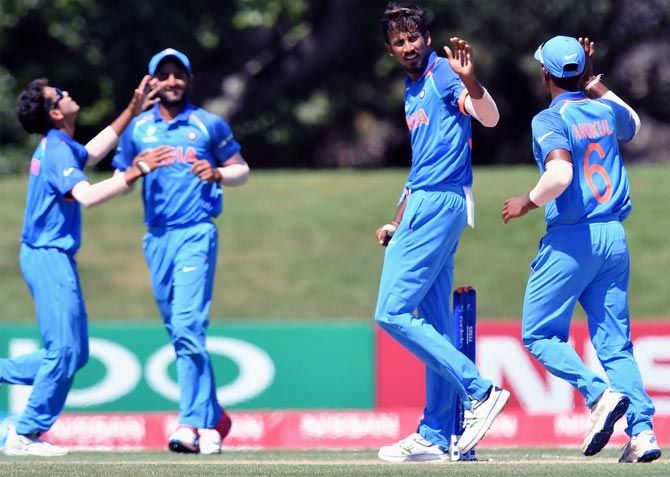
(599, 189)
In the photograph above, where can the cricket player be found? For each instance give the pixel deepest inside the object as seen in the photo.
(180, 245)
(51, 236)
(440, 97)
(583, 256)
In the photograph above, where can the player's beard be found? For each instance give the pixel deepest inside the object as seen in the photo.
(173, 103)
(417, 68)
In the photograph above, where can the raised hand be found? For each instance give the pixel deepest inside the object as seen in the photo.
(144, 95)
(461, 60)
(590, 50)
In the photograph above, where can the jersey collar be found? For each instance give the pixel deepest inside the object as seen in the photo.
(182, 116)
(568, 96)
(430, 64)
(58, 134)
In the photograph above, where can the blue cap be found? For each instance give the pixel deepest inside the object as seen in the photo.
(562, 57)
(168, 53)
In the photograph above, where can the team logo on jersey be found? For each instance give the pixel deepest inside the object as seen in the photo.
(417, 119)
(191, 135)
(422, 95)
(151, 130)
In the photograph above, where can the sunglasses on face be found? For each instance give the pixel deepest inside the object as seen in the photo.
(59, 96)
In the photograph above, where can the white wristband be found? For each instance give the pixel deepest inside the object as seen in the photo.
(593, 82)
(143, 167)
(390, 229)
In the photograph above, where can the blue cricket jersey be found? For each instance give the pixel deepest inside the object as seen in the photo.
(173, 195)
(590, 130)
(440, 130)
(53, 217)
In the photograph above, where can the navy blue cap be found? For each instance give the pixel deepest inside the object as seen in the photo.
(168, 53)
(562, 57)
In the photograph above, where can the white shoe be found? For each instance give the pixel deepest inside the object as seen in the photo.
(210, 441)
(641, 448)
(17, 444)
(608, 409)
(477, 420)
(412, 448)
(184, 439)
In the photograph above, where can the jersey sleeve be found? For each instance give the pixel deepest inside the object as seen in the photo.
(125, 151)
(62, 168)
(549, 134)
(449, 85)
(625, 124)
(224, 144)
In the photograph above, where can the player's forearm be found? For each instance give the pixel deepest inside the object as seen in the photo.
(106, 140)
(122, 121)
(483, 109)
(555, 179)
(400, 212)
(597, 89)
(101, 145)
(233, 175)
(89, 195)
(474, 87)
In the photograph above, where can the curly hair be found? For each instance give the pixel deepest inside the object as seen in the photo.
(405, 17)
(33, 107)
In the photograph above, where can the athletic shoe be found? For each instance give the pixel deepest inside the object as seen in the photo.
(413, 448)
(209, 441)
(608, 409)
(184, 439)
(17, 444)
(478, 420)
(641, 448)
(224, 424)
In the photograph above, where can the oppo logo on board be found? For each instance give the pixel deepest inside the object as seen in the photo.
(123, 372)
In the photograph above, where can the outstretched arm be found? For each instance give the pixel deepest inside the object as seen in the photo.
(478, 103)
(143, 97)
(594, 86)
(88, 194)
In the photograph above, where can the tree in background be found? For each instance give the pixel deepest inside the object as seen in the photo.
(307, 83)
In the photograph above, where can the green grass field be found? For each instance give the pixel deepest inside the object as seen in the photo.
(301, 245)
(498, 463)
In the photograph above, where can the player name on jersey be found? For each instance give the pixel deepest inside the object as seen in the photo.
(592, 130)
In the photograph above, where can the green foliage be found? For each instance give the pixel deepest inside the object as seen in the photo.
(264, 14)
(293, 76)
(301, 245)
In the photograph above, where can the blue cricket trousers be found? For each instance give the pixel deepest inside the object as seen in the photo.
(182, 263)
(589, 263)
(414, 304)
(51, 276)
